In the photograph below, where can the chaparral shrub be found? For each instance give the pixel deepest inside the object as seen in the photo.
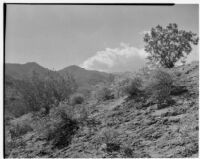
(19, 129)
(105, 94)
(77, 99)
(159, 87)
(133, 87)
(110, 138)
(62, 124)
(45, 93)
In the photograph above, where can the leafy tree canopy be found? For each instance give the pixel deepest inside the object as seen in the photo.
(168, 45)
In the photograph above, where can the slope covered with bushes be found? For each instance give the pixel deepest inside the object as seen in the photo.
(158, 119)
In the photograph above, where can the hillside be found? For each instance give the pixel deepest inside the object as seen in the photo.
(143, 130)
(24, 71)
(13, 102)
(85, 77)
(82, 76)
(14, 73)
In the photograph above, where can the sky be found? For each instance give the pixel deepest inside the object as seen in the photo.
(97, 37)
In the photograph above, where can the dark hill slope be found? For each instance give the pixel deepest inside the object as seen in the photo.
(85, 77)
(82, 76)
(24, 71)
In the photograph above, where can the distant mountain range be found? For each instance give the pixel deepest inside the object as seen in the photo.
(82, 76)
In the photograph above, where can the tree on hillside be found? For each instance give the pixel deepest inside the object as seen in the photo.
(168, 45)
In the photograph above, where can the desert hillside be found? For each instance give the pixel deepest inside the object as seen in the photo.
(117, 126)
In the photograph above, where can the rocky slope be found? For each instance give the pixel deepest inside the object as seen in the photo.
(143, 130)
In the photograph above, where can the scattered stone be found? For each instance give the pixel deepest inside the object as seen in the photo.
(178, 90)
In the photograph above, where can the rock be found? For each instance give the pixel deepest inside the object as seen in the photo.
(112, 147)
(128, 152)
(103, 147)
(177, 90)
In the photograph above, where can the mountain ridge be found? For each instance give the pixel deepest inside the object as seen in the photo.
(82, 76)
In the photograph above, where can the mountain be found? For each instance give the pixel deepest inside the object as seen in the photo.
(85, 77)
(24, 71)
(82, 76)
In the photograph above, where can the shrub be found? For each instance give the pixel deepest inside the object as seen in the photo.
(145, 72)
(110, 138)
(62, 124)
(85, 91)
(63, 131)
(160, 86)
(77, 99)
(120, 86)
(19, 129)
(128, 152)
(44, 93)
(60, 127)
(105, 94)
(134, 87)
(83, 115)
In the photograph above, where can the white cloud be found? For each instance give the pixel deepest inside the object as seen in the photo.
(123, 58)
(194, 55)
(145, 32)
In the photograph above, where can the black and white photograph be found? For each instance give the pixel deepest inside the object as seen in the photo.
(97, 80)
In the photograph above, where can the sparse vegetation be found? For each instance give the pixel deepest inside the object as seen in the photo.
(104, 94)
(110, 138)
(19, 129)
(77, 99)
(115, 128)
(128, 152)
(86, 92)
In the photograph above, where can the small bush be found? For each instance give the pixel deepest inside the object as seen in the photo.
(110, 138)
(19, 129)
(64, 131)
(159, 87)
(105, 94)
(83, 114)
(177, 73)
(134, 87)
(77, 99)
(61, 127)
(128, 152)
(85, 91)
(120, 87)
(62, 124)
